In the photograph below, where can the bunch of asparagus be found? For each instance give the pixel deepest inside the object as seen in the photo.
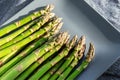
(34, 49)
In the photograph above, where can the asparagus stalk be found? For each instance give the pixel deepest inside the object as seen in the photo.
(13, 26)
(52, 71)
(25, 41)
(77, 56)
(28, 32)
(30, 69)
(66, 63)
(31, 58)
(29, 49)
(6, 58)
(41, 71)
(16, 33)
(84, 64)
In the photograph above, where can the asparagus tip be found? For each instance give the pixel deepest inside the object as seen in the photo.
(91, 53)
(61, 37)
(60, 24)
(72, 42)
(81, 52)
(80, 43)
(49, 7)
(67, 39)
(58, 19)
(58, 27)
(83, 39)
(75, 37)
(52, 15)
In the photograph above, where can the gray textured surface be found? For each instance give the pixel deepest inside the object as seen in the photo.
(10, 7)
(110, 9)
(113, 73)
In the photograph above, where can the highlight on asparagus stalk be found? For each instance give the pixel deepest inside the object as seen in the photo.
(29, 70)
(31, 58)
(15, 25)
(17, 32)
(52, 71)
(40, 23)
(42, 70)
(84, 64)
(64, 66)
(77, 56)
(28, 39)
(30, 48)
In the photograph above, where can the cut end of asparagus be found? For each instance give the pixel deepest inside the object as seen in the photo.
(91, 53)
(72, 42)
(49, 7)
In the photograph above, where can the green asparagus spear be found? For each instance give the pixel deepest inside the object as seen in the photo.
(84, 64)
(41, 71)
(6, 58)
(16, 33)
(25, 41)
(29, 49)
(31, 58)
(52, 71)
(28, 32)
(9, 28)
(77, 56)
(65, 64)
(30, 69)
